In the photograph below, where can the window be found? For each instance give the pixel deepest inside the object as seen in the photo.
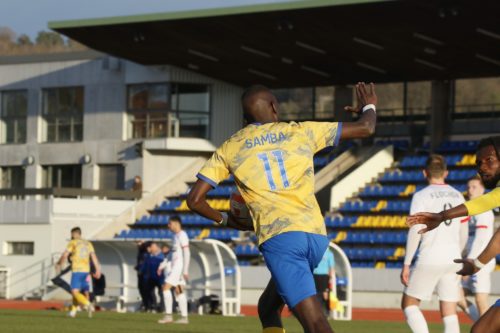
(14, 116)
(169, 109)
(306, 103)
(111, 177)
(62, 176)
(474, 96)
(13, 177)
(63, 114)
(20, 248)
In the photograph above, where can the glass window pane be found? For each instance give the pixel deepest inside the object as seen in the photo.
(63, 114)
(138, 97)
(15, 103)
(477, 95)
(418, 98)
(193, 125)
(390, 99)
(158, 97)
(193, 97)
(295, 104)
(324, 107)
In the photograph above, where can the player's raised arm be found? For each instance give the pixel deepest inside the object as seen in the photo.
(365, 125)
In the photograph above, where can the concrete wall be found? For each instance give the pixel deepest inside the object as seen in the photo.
(106, 127)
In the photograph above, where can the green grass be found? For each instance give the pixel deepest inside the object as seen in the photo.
(13, 321)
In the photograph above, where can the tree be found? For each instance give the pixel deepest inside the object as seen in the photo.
(49, 39)
(7, 34)
(24, 40)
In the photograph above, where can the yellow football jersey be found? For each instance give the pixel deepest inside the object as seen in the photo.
(80, 250)
(273, 168)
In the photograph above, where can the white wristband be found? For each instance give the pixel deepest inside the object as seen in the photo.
(222, 222)
(368, 107)
(478, 264)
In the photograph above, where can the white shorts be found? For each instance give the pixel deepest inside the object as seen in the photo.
(424, 279)
(175, 277)
(481, 281)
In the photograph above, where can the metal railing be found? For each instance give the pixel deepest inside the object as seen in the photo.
(61, 192)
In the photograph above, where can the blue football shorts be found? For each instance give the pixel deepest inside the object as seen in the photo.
(291, 257)
(80, 281)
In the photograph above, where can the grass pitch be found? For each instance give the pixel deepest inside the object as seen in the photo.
(22, 321)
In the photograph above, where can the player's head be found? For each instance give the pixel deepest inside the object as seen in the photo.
(435, 168)
(475, 187)
(154, 248)
(76, 233)
(259, 105)
(165, 249)
(175, 224)
(487, 161)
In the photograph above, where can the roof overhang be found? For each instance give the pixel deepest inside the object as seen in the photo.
(310, 43)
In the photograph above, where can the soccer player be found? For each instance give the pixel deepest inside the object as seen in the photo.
(324, 277)
(80, 252)
(434, 267)
(178, 261)
(488, 165)
(272, 164)
(480, 233)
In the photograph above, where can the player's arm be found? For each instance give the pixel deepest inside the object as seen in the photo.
(476, 206)
(472, 266)
(97, 265)
(413, 240)
(186, 256)
(365, 125)
(61, 261)
(197, 202)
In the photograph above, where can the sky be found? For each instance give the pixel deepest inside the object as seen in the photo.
(30, 16)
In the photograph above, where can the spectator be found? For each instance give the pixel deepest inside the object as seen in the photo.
(137, 186)
(142, 253)
(153, 279)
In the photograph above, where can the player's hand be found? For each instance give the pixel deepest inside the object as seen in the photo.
(186, 277)
(364, 96)
(431, 221)
(469, 268)
(97, 274)
(405, 275)
(158, 272)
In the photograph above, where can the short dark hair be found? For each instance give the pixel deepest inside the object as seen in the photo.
(175, 218)
(476, 177)
(491, 141)
(435, 166)
(76, 229)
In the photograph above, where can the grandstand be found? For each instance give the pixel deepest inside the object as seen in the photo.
(159, 92)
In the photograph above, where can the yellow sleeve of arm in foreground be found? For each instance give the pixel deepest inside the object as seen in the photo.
(484, 203)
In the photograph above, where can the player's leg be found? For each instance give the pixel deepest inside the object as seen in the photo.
(269, 308)
(489, 322)
(181, 297)
(482, 303)
(464, 304)
(291, 258)
(449, 291)
(77, 284)
(414, 317)
(168, 301)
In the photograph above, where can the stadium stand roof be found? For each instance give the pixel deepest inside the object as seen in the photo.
(309, 43)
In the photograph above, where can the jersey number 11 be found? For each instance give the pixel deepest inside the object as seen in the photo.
(278, 156)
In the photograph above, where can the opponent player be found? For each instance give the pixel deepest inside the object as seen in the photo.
(81, 252)
(272, 163)
(434, 267)
(480, 233)
(178, 263)
(488, 165)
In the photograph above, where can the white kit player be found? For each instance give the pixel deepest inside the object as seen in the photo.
(177, 272)
(434, 268)
(480, 233)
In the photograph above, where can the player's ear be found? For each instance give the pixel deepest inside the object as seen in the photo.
(424, 173)
(445, 175)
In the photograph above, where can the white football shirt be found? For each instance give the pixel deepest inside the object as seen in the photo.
(480, 233)
(445, 243)
(180, 240)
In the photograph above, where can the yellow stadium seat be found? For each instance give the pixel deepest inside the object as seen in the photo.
(380, 205)
(376, 222)
(408, 190)
(380, 265)
(385, 221)
(205, 233)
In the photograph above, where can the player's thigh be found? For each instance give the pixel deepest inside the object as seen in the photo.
(286, 256)
(174, 277)
(311, 315)
(481, 282)
(448, 287)
(78, 280)
(423, 281)
(489, 322)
